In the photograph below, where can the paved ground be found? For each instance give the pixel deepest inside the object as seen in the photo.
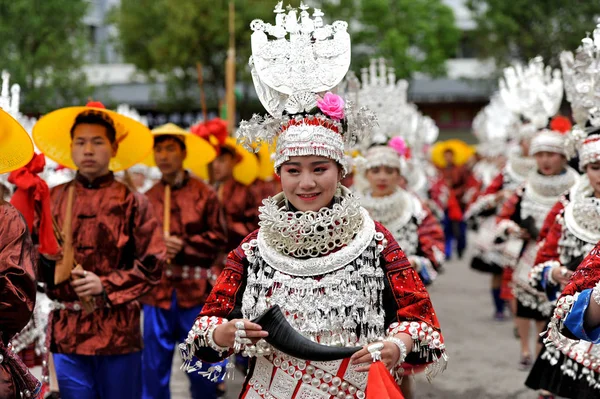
(483, 353)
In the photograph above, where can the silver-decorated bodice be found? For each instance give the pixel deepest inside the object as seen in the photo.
(401, 213)
(327, 298)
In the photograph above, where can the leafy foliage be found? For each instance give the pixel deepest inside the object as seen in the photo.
(43, 45)
(168, 38)
(523, 29)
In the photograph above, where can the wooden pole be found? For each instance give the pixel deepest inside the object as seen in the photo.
(202, 92)
(167, 215)
(63, 269)
(230, 72)
(167, 212)
(62, 272)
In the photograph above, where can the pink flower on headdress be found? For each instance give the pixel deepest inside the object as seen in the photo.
(398, 144)
(332, 105)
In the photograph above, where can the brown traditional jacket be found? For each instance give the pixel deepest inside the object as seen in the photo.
(116, 236)
(17, 294)
(196, 218)
(240, 207)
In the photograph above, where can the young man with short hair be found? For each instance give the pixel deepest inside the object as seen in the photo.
(194, 236)
(94, 329)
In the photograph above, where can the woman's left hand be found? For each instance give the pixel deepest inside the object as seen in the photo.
(389, 356)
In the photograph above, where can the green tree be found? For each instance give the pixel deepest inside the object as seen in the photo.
(523, 29)
(414, 35)
(167, 38)
(43, 46)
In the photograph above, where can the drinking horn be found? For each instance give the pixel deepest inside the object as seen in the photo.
(283, 337)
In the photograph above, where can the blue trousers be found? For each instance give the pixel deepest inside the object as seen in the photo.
(163, 329)
(100, 376)
(454, 231)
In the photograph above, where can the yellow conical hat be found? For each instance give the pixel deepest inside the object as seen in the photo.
(199, 151)
(16, 148)
(52, 135)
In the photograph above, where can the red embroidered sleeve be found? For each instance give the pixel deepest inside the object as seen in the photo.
(550, 234)
(431, 238)
(510, 206)
(587, 274)
(415, 315)
(224, 295)
(551, 218)
(496, 185)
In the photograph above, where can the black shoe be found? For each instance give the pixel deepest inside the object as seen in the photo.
(525, 363)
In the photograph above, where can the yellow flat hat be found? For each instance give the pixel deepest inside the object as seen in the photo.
(266, 166)
(462, 152)
(16, 148)
(246, 170)
(199, 151)
(52, 135)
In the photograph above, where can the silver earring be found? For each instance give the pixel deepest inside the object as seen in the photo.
(338, 190)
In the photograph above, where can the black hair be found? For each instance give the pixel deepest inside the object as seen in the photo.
(165, 137)
(227, 150)
(96, 118)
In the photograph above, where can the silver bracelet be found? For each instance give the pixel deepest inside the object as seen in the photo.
(401, 346)
(211, 340)
(596, 293)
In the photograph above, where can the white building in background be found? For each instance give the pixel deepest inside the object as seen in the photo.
(452, 101)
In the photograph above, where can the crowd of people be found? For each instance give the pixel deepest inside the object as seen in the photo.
(299, 250)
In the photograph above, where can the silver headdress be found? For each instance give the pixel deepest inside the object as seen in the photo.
(10, 97)
(401, 125)
(294, 65)
(581, 72)
(130, 112)
(381, 93)
(493, 126)
(533, 90)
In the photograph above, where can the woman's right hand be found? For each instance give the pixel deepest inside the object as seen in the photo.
(224, 335)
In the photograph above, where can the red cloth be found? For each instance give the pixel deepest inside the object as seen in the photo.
(216, 128)
(454, 212)
(506, 291)
(381, 385)
(32, 190)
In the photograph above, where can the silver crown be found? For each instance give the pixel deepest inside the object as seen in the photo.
(297, 57)
(379, 91)
(495, 122)
(582, 86)
(130, 112)
(533, 90)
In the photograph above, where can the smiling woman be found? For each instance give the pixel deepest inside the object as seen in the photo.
(338, 276)
(310, 182)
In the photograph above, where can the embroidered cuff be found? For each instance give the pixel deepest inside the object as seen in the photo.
(201, 336)
(541, 275)
(427, 342)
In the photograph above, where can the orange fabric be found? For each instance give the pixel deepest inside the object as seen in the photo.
(381, 385)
